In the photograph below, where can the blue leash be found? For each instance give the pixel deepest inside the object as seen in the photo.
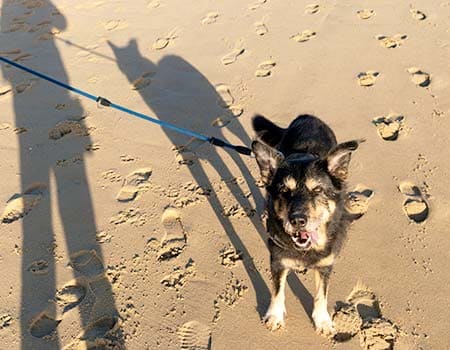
(105, 102)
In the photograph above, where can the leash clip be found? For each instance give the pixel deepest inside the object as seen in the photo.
(101, 101)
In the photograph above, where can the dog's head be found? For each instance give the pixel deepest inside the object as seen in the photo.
(305, 191)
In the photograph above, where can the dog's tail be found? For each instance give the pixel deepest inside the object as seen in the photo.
(267, 131)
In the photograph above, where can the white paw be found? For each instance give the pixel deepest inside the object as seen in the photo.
(274, 318)
(323, 323)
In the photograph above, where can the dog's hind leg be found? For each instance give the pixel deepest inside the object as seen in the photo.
(320, 315)
(274, 317)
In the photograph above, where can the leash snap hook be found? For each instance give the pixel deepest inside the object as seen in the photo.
(103, 102)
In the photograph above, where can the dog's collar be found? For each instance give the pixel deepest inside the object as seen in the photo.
(301, 157)
(278, 242)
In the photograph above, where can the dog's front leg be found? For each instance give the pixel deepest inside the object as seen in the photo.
(274, 317)
(321, 317)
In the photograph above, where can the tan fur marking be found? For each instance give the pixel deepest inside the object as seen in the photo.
(329, 260)
(291, 264)
(310, 183)
(290, 183)
(325, 213)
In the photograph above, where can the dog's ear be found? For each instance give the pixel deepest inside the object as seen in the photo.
(268, 159)
(267, 131)
(339, 158)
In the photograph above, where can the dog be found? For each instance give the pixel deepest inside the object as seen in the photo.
(304, 171)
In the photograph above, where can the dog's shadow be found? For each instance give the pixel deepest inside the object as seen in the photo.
(179, 94)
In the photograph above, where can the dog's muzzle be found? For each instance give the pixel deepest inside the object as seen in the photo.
(304, 239)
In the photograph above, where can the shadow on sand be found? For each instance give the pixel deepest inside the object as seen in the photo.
(52, 165)
(174, 87)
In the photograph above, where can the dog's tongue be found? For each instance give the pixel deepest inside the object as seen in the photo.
(305, 235)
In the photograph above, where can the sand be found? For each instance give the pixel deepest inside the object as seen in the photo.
(118, 234)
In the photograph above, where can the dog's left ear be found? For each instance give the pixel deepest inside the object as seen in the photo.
(339, 158)
(268, 159)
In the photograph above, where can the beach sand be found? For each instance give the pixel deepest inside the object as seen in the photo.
(118, 234)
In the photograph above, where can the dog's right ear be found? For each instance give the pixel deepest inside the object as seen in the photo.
(268, 159)
(266, 131)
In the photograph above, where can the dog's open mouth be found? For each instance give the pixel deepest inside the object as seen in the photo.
(304, 239)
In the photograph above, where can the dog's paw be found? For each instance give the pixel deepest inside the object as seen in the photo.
(273, 322)
(274, 318)
(323, 323)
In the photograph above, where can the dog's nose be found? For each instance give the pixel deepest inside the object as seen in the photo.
(298, 219)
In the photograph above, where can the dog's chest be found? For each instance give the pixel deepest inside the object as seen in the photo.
(293, 264)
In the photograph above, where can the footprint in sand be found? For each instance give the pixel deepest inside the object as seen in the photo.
(390, 42)
(24, 86)
(68, 127)
(232, 56)
(225, 99)
(22, 57)
(312, 9)
(265, 68)
(388, 127)
(178, 278)
(131, 216)
(365, 302)
(184, 156)
(194, 335)
(365, 14)
(99, 329)
(303, 36)
(346, 322)
(358, 200)
(112, 175)
(174, 240)
(260, 27)
(417, 14)
(115, 24)
(228, 257)
(222, 121)
(39, 267)
(20, 205)
(414, 206)
(162, 42)
(367, 78)
(210, 18)
(257, 4)
(5, 320)
(70, 295)
(419, 77)
(143, 81)
(87, 263)
(238, 211)
(232, 113)
(43, 325)
(92, 147)
(154, 4)
(361, 314)
(5, 89)
(133, 184)
(10, 52)
(20, 130)
(378, 333)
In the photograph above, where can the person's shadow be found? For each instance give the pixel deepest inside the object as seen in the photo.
(179, 94)
(52, 140)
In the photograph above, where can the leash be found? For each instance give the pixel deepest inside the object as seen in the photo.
(107, 103)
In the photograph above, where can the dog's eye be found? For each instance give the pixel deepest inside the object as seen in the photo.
(317, 189)
(284, 189)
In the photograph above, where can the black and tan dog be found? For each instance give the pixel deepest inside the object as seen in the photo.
(304, 172)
